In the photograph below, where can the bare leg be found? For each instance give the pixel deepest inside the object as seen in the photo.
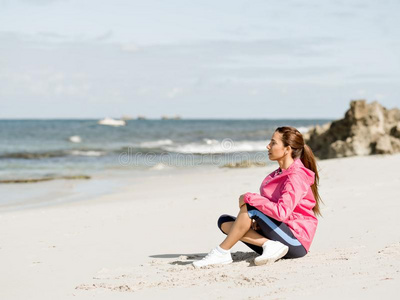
(239, 228)
(251, 236)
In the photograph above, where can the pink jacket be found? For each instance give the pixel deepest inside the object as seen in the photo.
(287, 197)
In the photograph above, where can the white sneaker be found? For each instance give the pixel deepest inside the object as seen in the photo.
(215, 257)
(272, 251)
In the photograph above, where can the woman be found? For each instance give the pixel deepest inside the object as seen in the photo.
(281, 220)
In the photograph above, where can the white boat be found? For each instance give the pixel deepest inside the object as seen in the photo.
(111, 122)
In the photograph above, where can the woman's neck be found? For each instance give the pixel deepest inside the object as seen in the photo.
(285, 162)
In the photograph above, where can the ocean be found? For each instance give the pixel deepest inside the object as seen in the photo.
(43, 149)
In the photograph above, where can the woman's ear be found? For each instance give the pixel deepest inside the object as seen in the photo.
(287, 149)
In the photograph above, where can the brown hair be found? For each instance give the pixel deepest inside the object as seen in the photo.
(293, 138)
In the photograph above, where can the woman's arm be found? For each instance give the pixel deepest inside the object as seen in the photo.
(241, 201)
(294, 189)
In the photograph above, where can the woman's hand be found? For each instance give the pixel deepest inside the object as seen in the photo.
(254, 225)
(241, 201)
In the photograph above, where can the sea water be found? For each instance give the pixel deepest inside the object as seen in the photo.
(34, 149)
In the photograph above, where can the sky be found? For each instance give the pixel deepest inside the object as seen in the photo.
(197, 59)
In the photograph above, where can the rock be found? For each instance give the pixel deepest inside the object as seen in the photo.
(395, 144)
(393, 116)
(395, 131)
(33, 180)
(340, 149)
(244, 164)
(383, 145)
(365, 129)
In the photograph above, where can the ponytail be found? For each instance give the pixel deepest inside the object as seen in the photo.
(293, 138)
(308, 160)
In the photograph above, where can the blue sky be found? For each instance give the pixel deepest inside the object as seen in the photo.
(197, 59)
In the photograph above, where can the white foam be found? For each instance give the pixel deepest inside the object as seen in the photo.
(75, 139)
(86, 153)
(210, 141)
(156, 144)
(159, 166)
(303, 129)
(225, 146)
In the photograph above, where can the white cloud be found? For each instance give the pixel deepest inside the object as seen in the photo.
(254, 92)
(42, 83)
(361, 92)
(130, 47)
(143, 91)
(173, 93)
(100, 60)
(379, 96)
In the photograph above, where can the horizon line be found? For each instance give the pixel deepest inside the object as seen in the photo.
(158, 119)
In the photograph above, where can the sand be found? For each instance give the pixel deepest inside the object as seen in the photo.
(139, 241)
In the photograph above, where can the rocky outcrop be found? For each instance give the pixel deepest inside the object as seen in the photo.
(244, 164)
(32, 180)
(366, 129)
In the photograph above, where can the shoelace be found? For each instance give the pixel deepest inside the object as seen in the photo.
(209, 254)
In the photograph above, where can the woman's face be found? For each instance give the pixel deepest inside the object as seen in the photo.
(276, 149)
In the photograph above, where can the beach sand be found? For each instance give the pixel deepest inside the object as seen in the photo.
(139, 241)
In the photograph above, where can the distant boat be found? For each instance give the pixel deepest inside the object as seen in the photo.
(111, 122)
(176, 117)
(126, 118)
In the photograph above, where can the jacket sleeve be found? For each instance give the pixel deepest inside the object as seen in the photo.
(294, 189)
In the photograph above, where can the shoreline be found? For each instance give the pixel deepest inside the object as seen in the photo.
(81, 188)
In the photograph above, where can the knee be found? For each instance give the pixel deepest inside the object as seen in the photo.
(224, 227)
(243, 208)
(225, 222)
(223, 219)
(220, 222)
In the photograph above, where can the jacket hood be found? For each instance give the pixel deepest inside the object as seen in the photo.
(298, 164)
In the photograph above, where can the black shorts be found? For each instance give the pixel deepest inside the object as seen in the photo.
(272, 230)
